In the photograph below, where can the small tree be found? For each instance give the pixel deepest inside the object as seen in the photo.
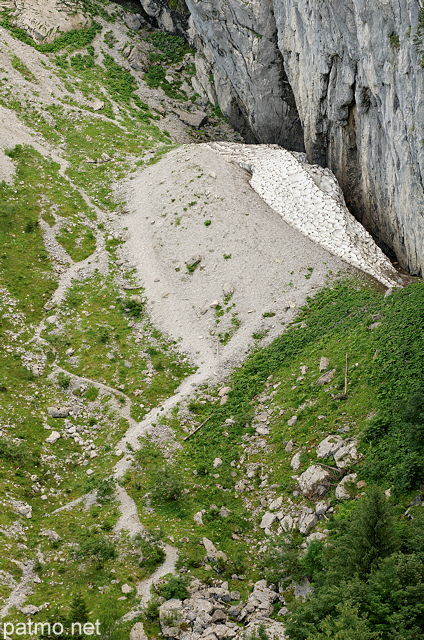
(370, 536)
(78, 612)
(150, 544)
(345, 625)
(97, 549)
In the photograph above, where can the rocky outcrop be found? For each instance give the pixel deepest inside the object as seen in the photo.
(354, 69)
(343, 79)
(216, 614)
(44, 20)
(171, 15)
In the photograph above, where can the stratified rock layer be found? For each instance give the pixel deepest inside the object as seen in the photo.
(44, 20)
(342, 78)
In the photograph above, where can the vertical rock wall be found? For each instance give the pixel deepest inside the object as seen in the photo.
(341, 78)
(355, 71)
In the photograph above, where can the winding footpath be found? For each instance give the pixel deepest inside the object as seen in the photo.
(265, 253)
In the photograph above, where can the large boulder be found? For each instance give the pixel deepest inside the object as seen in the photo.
(329, 446)
(314, 482)
(341, 491)
(137, 632)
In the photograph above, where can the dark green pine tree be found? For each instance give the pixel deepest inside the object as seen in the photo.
(371, 535)
(78, 613)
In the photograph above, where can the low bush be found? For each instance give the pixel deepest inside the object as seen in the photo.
(174, 587)
(166, 485)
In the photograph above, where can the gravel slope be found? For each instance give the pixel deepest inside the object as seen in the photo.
(272, 268)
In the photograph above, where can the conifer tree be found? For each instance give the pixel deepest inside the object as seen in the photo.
(371, 535)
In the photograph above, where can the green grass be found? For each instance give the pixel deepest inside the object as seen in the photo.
(26, 271)
(337, 321)
(20, 66)
(107, 330)
(96, 324)
(72, 40)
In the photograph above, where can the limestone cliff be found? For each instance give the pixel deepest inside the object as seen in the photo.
(343, 79)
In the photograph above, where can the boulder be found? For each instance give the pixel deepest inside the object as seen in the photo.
(22, 508)
(126, 588)
(132, 20)
(30, 610)
(326, 378)
(287, 523)
(51, 535)
(198, 518)
(212, 554)
(324, 363)
(314, 482)
(139, 58)
(268, 519)
(307, 520)
(193, 119)
(329, 446)
(346, 454)
(321, 508)
(317, 536)
(137, 632)
(53, 437)
(58, 412)
(341, 492)
(295, 461)
(276, 504)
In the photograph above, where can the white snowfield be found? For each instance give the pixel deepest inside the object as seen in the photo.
(309, 198)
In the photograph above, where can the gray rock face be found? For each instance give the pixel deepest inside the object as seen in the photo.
(343, 79)
(360, 101)
(43, 20)
(237, 45)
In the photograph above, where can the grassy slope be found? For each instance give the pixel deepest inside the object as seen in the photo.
(94, 319)
(385, 369)
(384, 366)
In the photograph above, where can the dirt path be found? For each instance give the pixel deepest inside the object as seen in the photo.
(249, 273)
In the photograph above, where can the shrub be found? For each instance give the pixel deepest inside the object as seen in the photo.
(172, 48)
(121, 82)
(175, 587)
(15, 452)
(63, 380)
(151, 610)
(132, 307)
(166, 485)
(105, 489)
(80, 62)
(370, 536)
(97, 549)
(150, 544)
(31, 226)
